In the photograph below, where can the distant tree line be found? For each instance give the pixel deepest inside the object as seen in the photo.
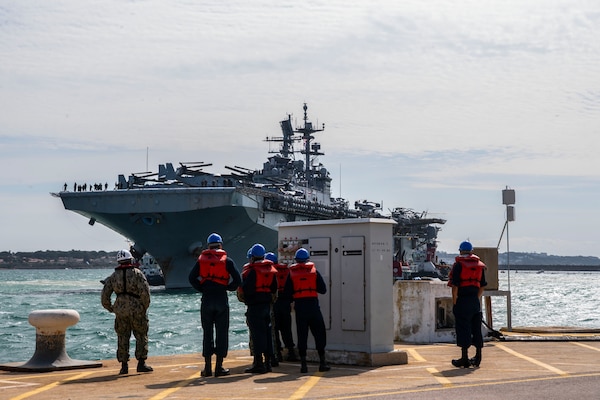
(77, 259)
(546, 259)
(541, 259)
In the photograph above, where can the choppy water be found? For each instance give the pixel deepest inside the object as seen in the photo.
(548, 299)
(174, 315)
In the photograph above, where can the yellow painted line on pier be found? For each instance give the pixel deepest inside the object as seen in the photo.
(445, 382)
(309, 384)
(587, 346)
(532, 360)
(300, 393)
(414, 354)
(50, 386)
(175, 388)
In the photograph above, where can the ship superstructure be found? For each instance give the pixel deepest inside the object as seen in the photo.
(415, 245)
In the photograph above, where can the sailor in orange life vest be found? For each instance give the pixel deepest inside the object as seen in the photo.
(213, 275)
(282, 311)
(303, 285)
(240, 295)
(467, 279)
(259, 289)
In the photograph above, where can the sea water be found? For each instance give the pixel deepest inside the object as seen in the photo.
(538, 299)
(174, 315)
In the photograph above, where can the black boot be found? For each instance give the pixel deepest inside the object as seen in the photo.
(323, 366)
(461, 362)
(464, 360)
(475, 361)
(219, 370)
(291, 355)
(124, 368)
(275, 359)
(268, 363)
(303, 366)
(143, 367)
(258, 367)
(207, 371)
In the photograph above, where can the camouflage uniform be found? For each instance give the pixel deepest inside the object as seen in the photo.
(130, 308)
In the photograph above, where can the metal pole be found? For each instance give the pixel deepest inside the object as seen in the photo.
(508, 198)
(502, 234)
(507, 250)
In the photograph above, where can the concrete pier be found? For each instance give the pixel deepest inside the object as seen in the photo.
(510, 370)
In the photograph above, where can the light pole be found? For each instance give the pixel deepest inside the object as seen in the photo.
(508, 199)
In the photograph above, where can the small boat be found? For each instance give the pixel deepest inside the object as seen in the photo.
(151, 270)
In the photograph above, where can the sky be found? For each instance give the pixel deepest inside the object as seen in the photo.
(431, 105)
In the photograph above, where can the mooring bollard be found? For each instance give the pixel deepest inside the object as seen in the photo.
(50, 351)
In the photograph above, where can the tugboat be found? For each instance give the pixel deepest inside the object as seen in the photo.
(151, 270)
(169, 214)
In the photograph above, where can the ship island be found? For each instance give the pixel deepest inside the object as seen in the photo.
(169, 214)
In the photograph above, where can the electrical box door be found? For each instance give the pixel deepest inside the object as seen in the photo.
(320, 255)
(353, 283)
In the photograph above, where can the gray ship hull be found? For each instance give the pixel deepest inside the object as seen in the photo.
(171, 223)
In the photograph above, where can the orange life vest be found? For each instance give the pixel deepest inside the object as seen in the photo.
(125, 266)
(245, 270)
(471, 270)
(213, 266)
(265, 273)
(239, 291)
(282, 273)
(304, 280)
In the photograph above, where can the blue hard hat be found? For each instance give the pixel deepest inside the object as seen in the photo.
(271, 257)
(465, 246)
(214, 238)
(258, 250)
(249, 253)
(302, 254)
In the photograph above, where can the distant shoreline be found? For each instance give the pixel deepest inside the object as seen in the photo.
(581, 268)
(80, 259)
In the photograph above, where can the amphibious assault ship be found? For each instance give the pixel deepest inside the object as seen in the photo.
(170, 214)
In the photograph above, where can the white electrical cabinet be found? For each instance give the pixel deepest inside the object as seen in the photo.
(354, 256)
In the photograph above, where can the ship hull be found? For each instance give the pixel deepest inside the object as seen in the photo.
(173, 223)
